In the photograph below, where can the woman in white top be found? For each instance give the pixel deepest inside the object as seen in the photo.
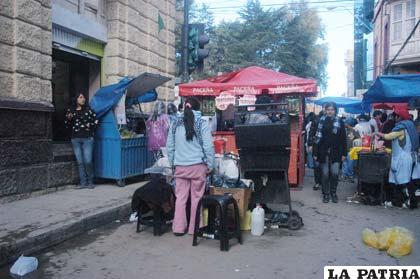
(363, 127)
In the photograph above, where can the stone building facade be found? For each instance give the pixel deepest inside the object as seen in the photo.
(51, 49)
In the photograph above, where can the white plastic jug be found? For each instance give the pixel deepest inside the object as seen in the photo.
(257, 223)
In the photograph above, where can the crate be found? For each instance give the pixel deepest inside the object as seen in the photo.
(373, 167)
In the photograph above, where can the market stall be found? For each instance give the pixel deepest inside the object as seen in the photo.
(219, 95)
(393, 89)
(121, 140)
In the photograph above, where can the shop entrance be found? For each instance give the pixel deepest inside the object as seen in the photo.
(72, 74)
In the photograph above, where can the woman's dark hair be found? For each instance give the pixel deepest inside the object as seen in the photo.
(190, 105)
(363, 116)
(172, 109)
(74, 101)
(376, 113)
(311, 117)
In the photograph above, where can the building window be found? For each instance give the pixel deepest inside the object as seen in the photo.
(410, 13)
(397, 22)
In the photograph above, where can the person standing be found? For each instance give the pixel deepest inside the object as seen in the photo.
(191, 154)
(82, 121)
(309, 157)
(363, 126)
(405, 143)
(375, 121)
(348, 164)
(311, 143)
(330, 150)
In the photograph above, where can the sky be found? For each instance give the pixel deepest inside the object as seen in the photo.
(337, 17)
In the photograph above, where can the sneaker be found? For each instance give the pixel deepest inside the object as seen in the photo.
(406, 204)
(80, 187)
(133, 217)
(326, 199)
(388, 204)
(334, 198)
(316, 187)
(91, 186)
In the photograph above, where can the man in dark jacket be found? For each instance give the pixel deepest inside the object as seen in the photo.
(330, 150)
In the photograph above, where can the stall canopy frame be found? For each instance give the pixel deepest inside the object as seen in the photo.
(250, 80)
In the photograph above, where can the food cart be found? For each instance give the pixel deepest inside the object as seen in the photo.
(120, 140)
(219, 95)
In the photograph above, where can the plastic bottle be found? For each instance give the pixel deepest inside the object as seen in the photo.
(257, 223)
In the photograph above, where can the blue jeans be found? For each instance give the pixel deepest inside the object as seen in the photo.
(348, 167)
(309, 159)
(330, 172)
(83, 150)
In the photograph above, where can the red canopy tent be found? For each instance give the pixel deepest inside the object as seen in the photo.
(390, 106)
(251, 80)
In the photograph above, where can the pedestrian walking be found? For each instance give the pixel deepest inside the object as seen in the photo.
(82, 121)
(405, 143)
(309, 158)
(330, 150)
(191, 154)
(311, 143)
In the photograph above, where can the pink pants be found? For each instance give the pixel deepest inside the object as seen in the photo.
(190, 179)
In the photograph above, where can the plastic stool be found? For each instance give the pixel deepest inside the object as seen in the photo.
(218, 226)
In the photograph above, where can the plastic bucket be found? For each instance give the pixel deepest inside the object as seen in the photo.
(219, 146)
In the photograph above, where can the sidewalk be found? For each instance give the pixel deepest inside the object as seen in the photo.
(30, 225)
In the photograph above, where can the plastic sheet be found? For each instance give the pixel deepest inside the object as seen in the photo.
(396, 241)
(370, 238)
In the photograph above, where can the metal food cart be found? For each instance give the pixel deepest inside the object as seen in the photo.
(119, 156)
(253, 81)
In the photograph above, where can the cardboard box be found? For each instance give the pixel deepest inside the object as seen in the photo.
(241, 196)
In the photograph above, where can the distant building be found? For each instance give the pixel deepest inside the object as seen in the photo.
(393, 23)
(50, 50)
(349, 62)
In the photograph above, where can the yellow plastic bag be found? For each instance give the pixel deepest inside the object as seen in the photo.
(385, 238)
(370, 238)
(397, 241)
(402, 242)
(246, 221)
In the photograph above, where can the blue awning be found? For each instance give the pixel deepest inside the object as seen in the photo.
(393, 89)
(139, 89)
(350, 105)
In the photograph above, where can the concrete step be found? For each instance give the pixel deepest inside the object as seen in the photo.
(31, 225)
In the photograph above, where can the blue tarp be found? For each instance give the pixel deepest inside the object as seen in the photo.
(393, 89)
(108, 96)
(349, 105)
(148, 97)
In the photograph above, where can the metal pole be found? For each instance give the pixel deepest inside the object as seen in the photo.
(185, 76)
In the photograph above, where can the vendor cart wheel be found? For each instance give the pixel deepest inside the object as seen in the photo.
(121, 182)
(294, 223)
(295, 213)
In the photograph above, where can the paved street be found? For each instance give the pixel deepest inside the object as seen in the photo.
(331, 236)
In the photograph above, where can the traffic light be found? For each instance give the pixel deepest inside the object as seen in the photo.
(197, 40)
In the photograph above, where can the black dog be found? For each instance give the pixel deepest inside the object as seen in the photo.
(156, 196)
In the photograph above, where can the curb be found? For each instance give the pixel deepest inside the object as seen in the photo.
(34, 244)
